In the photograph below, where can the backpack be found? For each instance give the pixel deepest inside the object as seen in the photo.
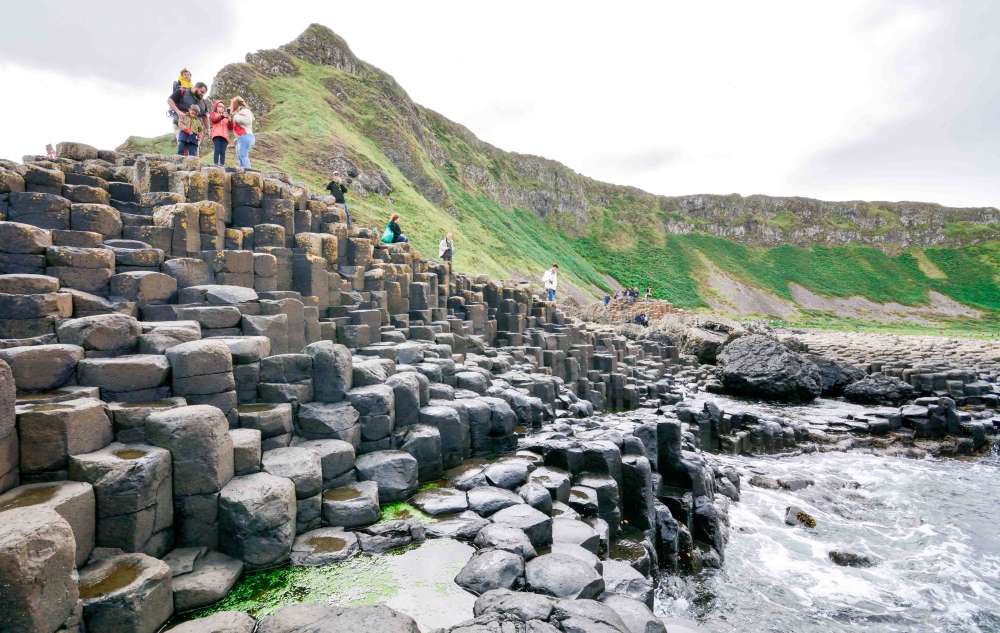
(171, 113)
(387, 235)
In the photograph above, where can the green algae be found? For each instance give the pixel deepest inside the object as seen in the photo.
(362, 580)
(403, 510)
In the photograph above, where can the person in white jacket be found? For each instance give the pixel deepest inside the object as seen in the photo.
(242, 119)
(446, 248)
(551, 281)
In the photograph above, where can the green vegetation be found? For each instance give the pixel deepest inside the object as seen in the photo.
(446, 180)
(363, 579)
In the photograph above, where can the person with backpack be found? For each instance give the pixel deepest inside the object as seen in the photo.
(243, 129)
(338, 189)
(551, 281)
(181, 100)
(190, 131)
(393, 233)
(221, 125)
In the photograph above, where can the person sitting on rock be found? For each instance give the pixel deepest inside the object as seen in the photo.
(338, 189)
(551, 281)
(181, 100)
(189, 132)
(221, 126)
(393, 233)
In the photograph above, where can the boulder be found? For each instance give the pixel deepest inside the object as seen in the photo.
(123, 373)
(638, 618)
(621, 578)
(486, 500)
(338, 421)
(490, 569)
(257, 519)
(212, 577)
(879, 388)
(507, 538)
(563, 576)
(37, 565)
(42, 367)
(760, 367)
(301, 465)
(522, 605)
(353, 505)
(834, 375)
(104, 332)
(324, 546)
(321, 618)
(72, 500)
(221, 622)
(537, 526)
(332, 370)
(395, 472)
(198, 440)
(438, 501)
(130, 593)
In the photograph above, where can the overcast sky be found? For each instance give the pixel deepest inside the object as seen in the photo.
(841, 100)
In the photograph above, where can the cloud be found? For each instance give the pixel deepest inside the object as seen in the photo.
(635, 161)
(119, 41)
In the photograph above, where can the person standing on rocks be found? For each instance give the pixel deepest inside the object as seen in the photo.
(446, 248)
(551, 281)
(243, 129)
(189, 132)
(338, 189)
(181, 100)
(393, 233)
(221, 125)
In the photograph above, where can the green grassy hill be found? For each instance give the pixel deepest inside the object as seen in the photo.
(320, 108)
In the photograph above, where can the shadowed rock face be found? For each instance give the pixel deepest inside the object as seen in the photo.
(760, 367)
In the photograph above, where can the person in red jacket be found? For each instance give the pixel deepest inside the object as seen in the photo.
(221, 125)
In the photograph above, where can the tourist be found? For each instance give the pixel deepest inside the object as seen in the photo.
(183, 80)
(338, 189)
(51, 152)
(446, 248)
(649, 293)
(181, 100)
(607, 299)
(189, 132)
(551, 281)
(393, 233)
(243, 129)
(221, 125)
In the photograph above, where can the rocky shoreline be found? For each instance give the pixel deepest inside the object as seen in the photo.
(204, 372)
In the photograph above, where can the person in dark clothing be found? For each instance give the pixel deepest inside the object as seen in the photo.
(338, 189)
(393, 231)
(181, 100)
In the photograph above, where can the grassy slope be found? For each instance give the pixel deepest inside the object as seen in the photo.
(306, 120)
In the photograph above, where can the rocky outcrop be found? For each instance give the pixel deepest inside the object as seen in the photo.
(761, 367)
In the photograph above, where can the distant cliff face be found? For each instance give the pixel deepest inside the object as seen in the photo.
(427, 148)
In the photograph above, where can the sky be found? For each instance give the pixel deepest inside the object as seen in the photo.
(837, 100)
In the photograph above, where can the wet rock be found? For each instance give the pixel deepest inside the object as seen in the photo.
(851, 559)
(795, 484)
(222, 622)
(638, 618)
(395, 472)
(704, 344)
(257, 519)
(324, 546)
(760, 367)
(506, 538)
(463, 527)
(353, 505)
(760, 481)
(879, 389)
(834, 375)
(537, 526)
(536, 496)
(37, 565)
(622, 578)
(439, 501)
(490, 569)
(486, 500)
(507, 474)
(211, 578)
(587, 616)
(72, 500)
(563, 577)
(574, 532)
(580, 553)
(390, 535)
(523, 605)
(423, 442)
(320, 618)
(131, 593)
(795, 515)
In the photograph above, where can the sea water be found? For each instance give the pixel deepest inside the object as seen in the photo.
(932, 527)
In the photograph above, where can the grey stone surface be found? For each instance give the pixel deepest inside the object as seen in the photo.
(324, 546)
(257, 519)
(563, 577)
(490, 569)
(536, 525)
(42, 367)
(395, 472)
(131, 593)
(353, 505)
(199, 443)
